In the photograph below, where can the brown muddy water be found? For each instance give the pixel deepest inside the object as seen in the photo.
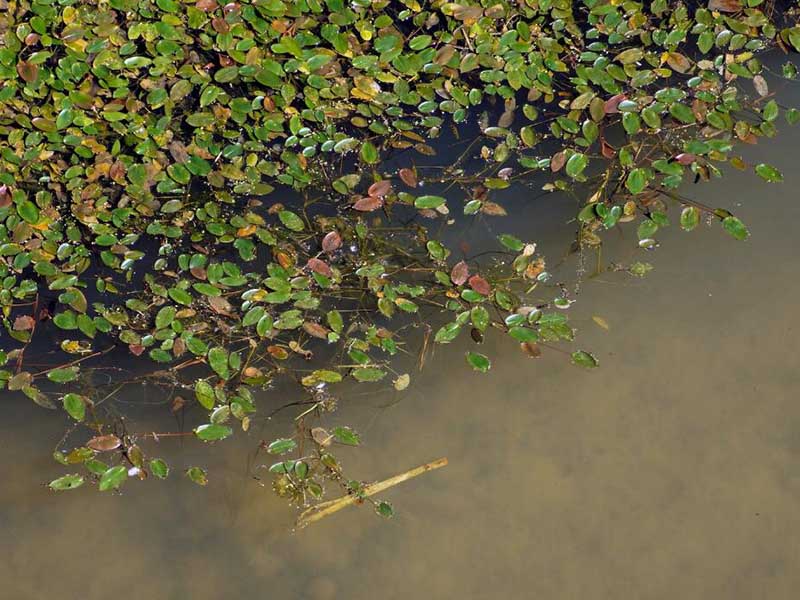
(673, 471)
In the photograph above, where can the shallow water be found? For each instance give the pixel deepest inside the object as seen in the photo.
(670, 472)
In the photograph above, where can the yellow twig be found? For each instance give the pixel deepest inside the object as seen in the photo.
(322, 510)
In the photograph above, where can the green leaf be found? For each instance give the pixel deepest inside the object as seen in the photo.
(205, 394)
(523, 334)
(735, 227)
(682, 113)
(480, 318)
(479, 362)
(369, 153)
(429, 202)
(690, 218)
(197, 475)
(769, 173)
(511, 242)
(281, 446)
(67, 482)
(180, 296)
(447, 333)
(64, 118)
(75, 406)
(770, 111)
(113, 478)
(28, 211)
(637, 180)
(584, 359)
(212, 432)
(63, 375)
(165, 316)
(345, 435)
(576, 164)
(384, 509)
(159, 468)
(226, 74)
(368, 374)
(291, 221)
(218, 360)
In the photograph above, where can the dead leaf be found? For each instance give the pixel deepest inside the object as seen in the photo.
(331, 242)
(493, 209)
(368, 204)
(409, 177)
(104, 443)
(558, 161)
(315, 330)
(480, 285)
(459, 273)
(532, 349)
(730, 6)
(24, 323)
(319, 266)
(380, 188)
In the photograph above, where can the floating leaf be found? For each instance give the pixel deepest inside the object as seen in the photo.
(212, 432)
(67, 482)
(345, 435)
(75, 406)
(291, 221)
(281, 446)
(429, 201)
(159, 468)
(735, 227)
(479, 362)
(113, 478)
(197, 475)
(584, 359)
(769, 173)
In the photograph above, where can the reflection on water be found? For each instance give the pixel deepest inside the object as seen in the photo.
(670, 472)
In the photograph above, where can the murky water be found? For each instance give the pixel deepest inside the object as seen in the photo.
(671, 472)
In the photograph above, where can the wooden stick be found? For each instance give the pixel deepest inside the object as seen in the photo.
(322, 510)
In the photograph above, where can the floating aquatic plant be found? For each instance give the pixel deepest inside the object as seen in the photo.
(148, 152)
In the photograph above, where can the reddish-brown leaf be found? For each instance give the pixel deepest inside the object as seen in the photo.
(206, 5)
(178, 347)
(220, 305)
(220, 25)
(460, 273)
(558, 161)
(331, 242)
(380, 188)
(493, 209)
(316, 330)
(104, 443)
(612, 103)
(480, 285)
(607, 150)
(178, 403)
(136, 349)
(278, 352)
(685, 158)
(531, 349)
(28, 71)
(368, 204)
(23, 323)
(409, 177)
(319, 266)
(730, 6)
